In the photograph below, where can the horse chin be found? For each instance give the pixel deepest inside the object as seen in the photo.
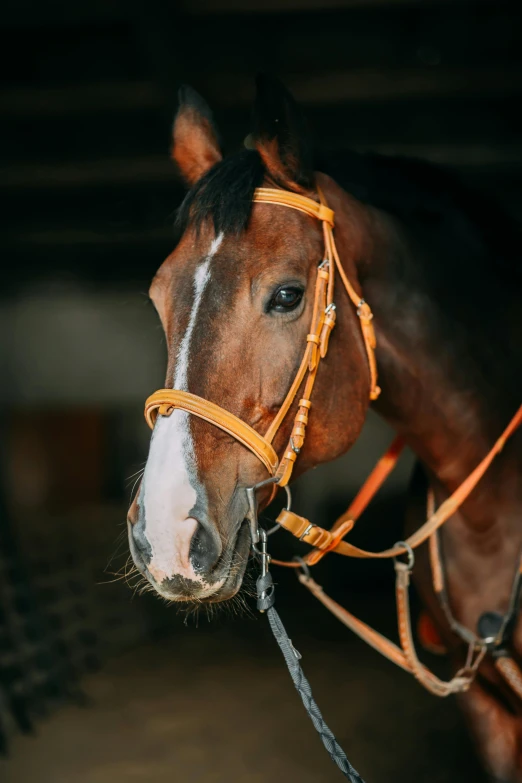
(227, 576)
(236, 563)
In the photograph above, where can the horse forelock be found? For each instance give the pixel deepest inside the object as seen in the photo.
(223, 196)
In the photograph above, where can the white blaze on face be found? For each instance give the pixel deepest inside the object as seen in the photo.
(168, 483)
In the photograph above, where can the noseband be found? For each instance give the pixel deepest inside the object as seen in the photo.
(164, 401)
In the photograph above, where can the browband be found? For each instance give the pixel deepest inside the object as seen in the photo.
(294, 200)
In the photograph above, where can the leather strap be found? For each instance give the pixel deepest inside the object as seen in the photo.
(165, 401)
(462, 680)
(510, 672)
(322, 212)
(406, 658)
(367, 492)
(438, 517)
(294, 200)
(302, 529)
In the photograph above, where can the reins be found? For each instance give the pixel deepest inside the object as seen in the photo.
(323, 541)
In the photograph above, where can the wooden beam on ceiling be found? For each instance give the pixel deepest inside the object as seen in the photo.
(85, 237)
(286, 6)
(374, 85)
(52, 13)
(152, 168)
(233, 90)
(81, 98)
(115, 171)
(28, 13)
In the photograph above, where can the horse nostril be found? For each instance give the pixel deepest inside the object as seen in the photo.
(205, 550)
(140, 541)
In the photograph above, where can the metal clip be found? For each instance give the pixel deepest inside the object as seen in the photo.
(264, 557)
(252, 507)
(264, 584)
(303, 566)
(255, 530)
(409, 552)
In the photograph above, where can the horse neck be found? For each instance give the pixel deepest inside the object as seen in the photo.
(446, 352)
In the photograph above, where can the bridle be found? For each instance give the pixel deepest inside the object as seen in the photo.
(164, 401)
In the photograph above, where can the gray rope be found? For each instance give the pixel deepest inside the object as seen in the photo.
(265, 602)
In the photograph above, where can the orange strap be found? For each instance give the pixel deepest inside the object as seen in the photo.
(510, 672)
(367, 492)
(435, 520)
(165, 401)
(346, 521)
(304, 204)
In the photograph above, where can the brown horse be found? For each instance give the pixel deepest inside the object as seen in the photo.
(441, 271)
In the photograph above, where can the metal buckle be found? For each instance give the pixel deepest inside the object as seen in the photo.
(359, 306)
(310, 526)
(294, 448)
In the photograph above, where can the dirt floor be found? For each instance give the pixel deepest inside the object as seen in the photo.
(215, 704)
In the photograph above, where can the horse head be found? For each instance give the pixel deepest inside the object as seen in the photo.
(235, 299)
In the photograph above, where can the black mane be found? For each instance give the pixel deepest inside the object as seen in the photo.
(407, 188)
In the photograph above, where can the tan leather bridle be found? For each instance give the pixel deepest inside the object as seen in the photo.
(164, 401)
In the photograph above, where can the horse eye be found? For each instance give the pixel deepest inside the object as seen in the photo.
(286, 299)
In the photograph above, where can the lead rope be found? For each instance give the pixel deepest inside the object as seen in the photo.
(265, 603)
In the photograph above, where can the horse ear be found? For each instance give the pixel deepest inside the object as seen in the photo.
(195, 146)
(281, 135)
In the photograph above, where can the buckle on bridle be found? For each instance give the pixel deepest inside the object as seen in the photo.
(310, 527)
(359, 311)
(294, 448)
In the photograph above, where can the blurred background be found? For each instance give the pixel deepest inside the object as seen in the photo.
(98, 682)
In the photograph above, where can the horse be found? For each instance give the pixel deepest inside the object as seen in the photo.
(440, 267)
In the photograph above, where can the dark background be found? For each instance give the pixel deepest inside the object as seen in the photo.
(120, 689)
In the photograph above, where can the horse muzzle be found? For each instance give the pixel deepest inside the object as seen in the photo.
(186, 559)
